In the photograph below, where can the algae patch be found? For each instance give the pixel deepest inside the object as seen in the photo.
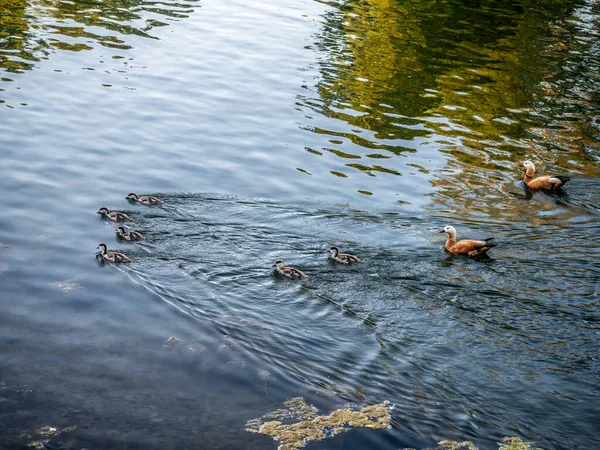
(508, 443)
(514, 443)
(311, 427)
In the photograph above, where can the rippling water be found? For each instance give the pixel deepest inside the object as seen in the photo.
(273, 131)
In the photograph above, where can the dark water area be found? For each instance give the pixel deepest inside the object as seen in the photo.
(273, 131)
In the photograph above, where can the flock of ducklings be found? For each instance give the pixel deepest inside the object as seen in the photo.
(469, 247)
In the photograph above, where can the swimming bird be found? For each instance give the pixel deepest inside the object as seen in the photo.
(129, 235)
(467, 246)
(145, 199)
(112, 256)
(114, 215)
(344, 258)
(545, 182)
(289, 272)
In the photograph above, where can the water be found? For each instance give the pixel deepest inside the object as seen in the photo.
(274, 131)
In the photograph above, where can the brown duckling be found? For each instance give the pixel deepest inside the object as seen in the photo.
(545, 182)
(466, 246)
(344, 258)
(145, 199)
(288, 272)
(115, 216)
(112, 256)
(129, 235)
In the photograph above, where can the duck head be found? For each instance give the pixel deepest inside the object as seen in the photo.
(278, 263)
(529, 168)
(121, 230)
(333, 251)
(450, 230)
(132, 196)
(104, 211)
(102, 247)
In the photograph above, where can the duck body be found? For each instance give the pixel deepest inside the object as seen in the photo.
(468, 247)
(115, 257)
(288, 272)
(144, 199)
(115, 216)
(343, 258)
(545, 182)
(129, 235)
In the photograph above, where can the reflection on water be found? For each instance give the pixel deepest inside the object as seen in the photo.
(489, 84)
(32, 30)
(368, 124)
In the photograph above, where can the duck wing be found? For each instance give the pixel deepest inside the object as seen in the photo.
(559, 180)
(548, 182)
(292, 272)
(120, 257)
(472, 247)
(349, 258)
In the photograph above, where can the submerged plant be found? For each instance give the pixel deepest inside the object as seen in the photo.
(514, 443)
(311, 427)
(508, 443)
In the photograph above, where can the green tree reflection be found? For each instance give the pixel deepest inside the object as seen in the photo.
(31, 30)
(479, 80)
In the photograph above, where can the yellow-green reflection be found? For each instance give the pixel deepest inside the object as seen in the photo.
(487, 83)
(31, 30)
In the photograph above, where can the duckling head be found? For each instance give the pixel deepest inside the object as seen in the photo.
(450, 230)
(132, 196)
(104, 211)
(102, 247)
(278, 263)
(529, 166)
(333, 251)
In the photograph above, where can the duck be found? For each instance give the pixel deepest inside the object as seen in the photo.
(112, 256)
(115, 216)
(144, 199)
(129, 235)
(288, 272)
(546, 182)
(344, 258)
(466, 246)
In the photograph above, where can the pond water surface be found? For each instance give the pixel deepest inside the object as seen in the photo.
(274, 130)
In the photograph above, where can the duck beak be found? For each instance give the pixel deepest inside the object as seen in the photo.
(274, 265)
(443, 231)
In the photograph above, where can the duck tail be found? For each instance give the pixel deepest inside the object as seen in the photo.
(489, 239)
(563, 179)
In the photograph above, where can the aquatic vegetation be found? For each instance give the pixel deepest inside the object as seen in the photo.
(67, 285)
(47, 431)
(514, 443)
(312, 427)
(454, 445)
(508, 443)
(171, 342)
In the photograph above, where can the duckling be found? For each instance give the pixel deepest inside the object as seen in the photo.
(344, 258)
(114, 215)
(288, 272)
(112, 256)
(466, 246)
(129, 235)
(145, 199)
(542, 182)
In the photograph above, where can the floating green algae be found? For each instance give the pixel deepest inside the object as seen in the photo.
(311, 427)
(514, 443)
(508, 443)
